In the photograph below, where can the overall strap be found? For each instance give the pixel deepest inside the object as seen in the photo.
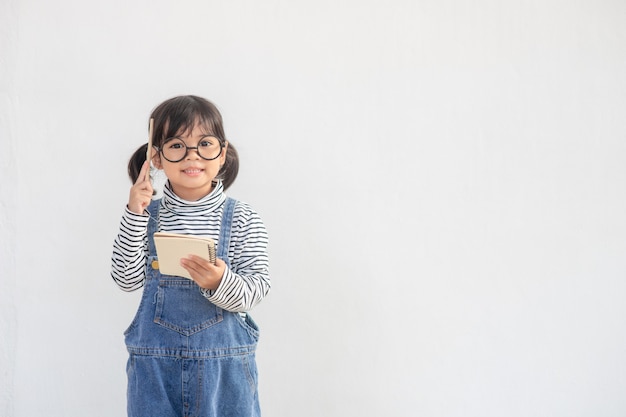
(153, 224)
(227, 222)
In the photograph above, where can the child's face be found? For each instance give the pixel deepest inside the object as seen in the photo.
(191, 179)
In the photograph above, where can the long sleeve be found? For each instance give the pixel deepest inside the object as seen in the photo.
(129, 251)
(247, 282)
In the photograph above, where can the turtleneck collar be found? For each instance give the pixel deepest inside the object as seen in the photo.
(205, 205)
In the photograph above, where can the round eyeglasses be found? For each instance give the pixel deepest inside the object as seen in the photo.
(175, 149)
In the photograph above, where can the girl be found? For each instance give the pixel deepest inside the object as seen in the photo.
(191, 343)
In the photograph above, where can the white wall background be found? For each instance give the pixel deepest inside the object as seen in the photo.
(443, 182)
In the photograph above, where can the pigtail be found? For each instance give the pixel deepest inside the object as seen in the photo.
(136, 162)
(230, 169)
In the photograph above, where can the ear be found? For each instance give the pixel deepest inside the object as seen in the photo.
(156, 159)
(223, 156)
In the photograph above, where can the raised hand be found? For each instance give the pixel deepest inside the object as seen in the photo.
(141, 191)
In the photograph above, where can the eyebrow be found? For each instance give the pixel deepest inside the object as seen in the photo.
(202, 135)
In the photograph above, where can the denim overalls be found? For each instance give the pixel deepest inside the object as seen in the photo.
(188, 357)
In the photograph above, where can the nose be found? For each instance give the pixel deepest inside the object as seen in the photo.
(192, 148)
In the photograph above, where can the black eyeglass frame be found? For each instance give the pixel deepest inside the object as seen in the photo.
(187, 148)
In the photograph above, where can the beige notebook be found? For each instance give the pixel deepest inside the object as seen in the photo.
(171, 247)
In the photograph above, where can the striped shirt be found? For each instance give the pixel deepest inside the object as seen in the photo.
(243, 285)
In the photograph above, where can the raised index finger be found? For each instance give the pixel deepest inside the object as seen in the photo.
(144, 174)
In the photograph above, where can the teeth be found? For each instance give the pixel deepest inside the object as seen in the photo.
(192, 171)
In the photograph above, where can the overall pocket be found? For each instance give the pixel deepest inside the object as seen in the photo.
(143, 301)
(181, 307)
(249, 325)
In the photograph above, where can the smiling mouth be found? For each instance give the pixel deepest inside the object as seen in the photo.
(192, 171)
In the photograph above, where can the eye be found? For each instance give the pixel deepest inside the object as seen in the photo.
(174, 144)
(208, 142)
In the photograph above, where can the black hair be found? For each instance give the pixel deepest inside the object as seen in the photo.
(181, 114)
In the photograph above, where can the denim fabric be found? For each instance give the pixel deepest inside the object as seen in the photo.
(189, 357)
